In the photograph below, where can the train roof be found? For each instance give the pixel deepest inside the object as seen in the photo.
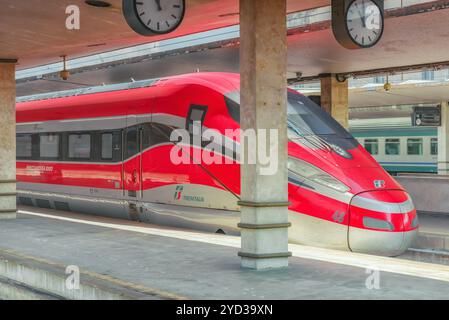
(104, 101)
(210, 78)
(87, 90)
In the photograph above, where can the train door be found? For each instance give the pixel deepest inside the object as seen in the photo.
(132, 165)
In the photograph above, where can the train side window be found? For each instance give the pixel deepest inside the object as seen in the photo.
(434, 146)
(372, 146)
(232, 101)
(392, 146)
(146, 136)
(196, 113)
(106, 146)
(132, 142)
(49, 146)
(160, 134)
(24, 146)
(414, 146)
(111, 146)
(79, 146)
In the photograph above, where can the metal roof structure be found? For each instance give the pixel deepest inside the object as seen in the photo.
(89, 90)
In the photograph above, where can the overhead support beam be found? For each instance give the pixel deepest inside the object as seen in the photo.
(334, 97)
(8, 206)
(375, 72)
(443, 140)
(263, 68)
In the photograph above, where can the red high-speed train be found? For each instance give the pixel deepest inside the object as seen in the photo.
(106, 151)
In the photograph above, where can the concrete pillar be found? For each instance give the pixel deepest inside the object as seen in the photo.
(7, 139)
(443, 140)
(334, 98)
(264, 198)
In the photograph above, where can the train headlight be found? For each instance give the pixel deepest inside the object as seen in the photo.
(312, 173)
(415, 222)
(340, 151)
(373, 223)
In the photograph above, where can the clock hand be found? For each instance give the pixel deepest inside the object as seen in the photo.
(363, 20)
(364, 14)
(158, 2)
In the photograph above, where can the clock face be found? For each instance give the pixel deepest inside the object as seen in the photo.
(364, 22)
(149, 17)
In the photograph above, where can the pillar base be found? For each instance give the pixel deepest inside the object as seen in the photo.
(264, 264)
(264, 261)
(8, 216)
(264, 237)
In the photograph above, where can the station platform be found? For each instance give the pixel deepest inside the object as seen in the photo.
(129, 260)
(433, 232)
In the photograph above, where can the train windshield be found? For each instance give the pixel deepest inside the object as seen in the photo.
(307, 123)
(304, 117)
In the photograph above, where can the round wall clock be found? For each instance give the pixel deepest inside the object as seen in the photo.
(152, 17)
(357, 23)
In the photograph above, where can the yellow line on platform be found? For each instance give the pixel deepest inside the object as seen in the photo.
(386, 264)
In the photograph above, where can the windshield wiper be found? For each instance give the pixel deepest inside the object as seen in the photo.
(320, 144)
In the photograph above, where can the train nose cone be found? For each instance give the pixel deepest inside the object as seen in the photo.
(382, 222)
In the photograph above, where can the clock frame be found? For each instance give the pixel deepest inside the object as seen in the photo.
(131, 15)
(340, 27)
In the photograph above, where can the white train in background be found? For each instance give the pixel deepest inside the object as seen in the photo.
(397, 145)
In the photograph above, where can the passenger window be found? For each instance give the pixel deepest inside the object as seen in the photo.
(372, 146)
(132, 142)
(49, 146)
(23, 146)
(392, 146)
(79, 146)
(196, 114)
(106, 146)
(146, 136)
(414, 146)
(233, 104)
(160, 134)
(434, 146)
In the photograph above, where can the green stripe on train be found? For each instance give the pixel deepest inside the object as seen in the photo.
(423, 169)
(428, 132)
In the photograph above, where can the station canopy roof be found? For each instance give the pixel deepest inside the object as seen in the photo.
(34, 31)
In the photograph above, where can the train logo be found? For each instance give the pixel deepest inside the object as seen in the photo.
(378, 184)
(178, 193)
(339, 216)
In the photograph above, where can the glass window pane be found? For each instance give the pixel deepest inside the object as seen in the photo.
(196, 116)
(414, 146)
(434, 146)
(392, 146)
(428, 75)
(106, 146)
(233, 107)
(146, 136)
(372, 146)
(23, 146)
(132, 143)
(306, 118)
(79, 146)
(49, 146)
